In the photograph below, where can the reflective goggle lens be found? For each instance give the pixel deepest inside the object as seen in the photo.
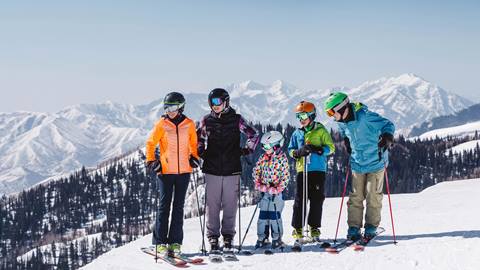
(217, 101)
(267, 146)
(330, 112)
(302, 116)
(172, 108)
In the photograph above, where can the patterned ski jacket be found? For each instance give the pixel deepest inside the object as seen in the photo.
(271, 172)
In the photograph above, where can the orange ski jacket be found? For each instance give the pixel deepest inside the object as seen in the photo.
(176, 144)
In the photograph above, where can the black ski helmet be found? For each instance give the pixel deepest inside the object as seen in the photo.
(174, 99)
(221, 94)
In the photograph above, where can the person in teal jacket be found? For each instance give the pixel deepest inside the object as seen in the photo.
(367, 137)
(311, 143)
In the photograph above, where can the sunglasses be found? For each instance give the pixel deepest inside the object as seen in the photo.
(216, 101)
(302, 116)
(172, 107)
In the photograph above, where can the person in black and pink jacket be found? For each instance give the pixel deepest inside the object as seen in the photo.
(219, 146)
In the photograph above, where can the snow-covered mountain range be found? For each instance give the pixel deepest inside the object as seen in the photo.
(36, 146)
(465, 116)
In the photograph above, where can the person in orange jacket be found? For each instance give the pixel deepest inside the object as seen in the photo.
(176, 138)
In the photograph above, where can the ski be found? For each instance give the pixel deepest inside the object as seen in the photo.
(297, 246)
(170, 260)
(268, 252)
(340, 246)
(360, 245)
(243, 251)
(189, 259)
(229, 256)
(316, 240)
(215, 256)
(268, 249)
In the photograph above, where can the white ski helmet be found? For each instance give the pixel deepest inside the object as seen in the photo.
(271, 139)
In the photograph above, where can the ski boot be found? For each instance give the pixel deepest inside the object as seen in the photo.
(370, 231)
(228, 253)
(298, 236)
(162, 249)
(354, 234)
(214, 255)
(278, 244)
(315, 234)
(175, 250)
(261, 243)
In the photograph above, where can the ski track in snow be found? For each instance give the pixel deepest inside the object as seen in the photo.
(436, 229)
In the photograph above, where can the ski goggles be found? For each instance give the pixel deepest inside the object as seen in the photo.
(341, 105)
(330, 112)
(268, 146)
(172, 107)
(302, 116)
(216, 101)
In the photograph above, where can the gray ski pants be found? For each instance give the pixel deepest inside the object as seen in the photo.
(222, 194)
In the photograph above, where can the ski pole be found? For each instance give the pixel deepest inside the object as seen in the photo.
(204, 210)
(341, 204)
(303, 193)
(390, 204)
(155, 214)
(305, 186)
(199, 214)
(250, 223)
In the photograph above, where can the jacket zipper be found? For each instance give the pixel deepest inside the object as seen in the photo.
(178, 150)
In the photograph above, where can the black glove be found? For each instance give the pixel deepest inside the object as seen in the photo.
(314, 149)
(194, 162)
(245, 151)
(154, 166)
(346, 143)
(302, 152)
(385, 141)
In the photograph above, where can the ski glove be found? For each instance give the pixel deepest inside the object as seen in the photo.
(301, 152)
(194, 162)
(154, 166)
(346, 143)
(385, 141)
(315, 149)
(306, 150)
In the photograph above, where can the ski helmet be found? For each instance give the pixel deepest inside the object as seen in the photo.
(174, 101)
(305, 110)
(218, 96)
(272, 139)
(335, 102)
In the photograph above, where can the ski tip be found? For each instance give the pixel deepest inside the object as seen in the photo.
(359, 248)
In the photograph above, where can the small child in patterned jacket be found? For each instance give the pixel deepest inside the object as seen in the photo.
(271, 175)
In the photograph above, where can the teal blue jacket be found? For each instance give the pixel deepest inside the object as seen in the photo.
(364, 132)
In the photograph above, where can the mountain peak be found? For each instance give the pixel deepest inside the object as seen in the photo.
(408, 79)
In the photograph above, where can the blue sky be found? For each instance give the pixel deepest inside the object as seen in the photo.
(59, 53)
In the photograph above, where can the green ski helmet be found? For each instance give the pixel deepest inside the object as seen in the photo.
(335, 102)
